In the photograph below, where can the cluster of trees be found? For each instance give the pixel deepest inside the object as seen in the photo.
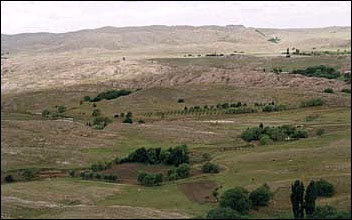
(111, 94)
(210, 168)
(150, 179)
(98, 176)
(312, 103)
(180, 172)
(303, 200)
(280, 133)
(172, 156)
(235, 203)
(318, 71)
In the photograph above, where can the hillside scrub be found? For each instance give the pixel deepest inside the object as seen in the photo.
(279, 133)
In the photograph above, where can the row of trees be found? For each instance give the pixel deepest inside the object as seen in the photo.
(98, 176)
(111, 94)
(279, 133)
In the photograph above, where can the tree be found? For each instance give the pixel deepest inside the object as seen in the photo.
(309, 198)
(127, 120)
(9, 179)
(210, 168)
(260, 196)
(297, 199)
(324, 188)
(183, 170)
(237, 199)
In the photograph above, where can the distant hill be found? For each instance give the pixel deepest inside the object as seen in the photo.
(179, 39)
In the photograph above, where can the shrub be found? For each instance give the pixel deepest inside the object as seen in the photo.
(127, 120)
(172, 175)
(45, 113)
(150, 179)
(224, 213)
(237, 199)
(329, 212)
(71, 173)
(260, 196)
(183, 170)
(9, 179)
(312, 102)
(324, 188)
(140, 121)
(61, 109)
(96, 112)
(264, 139)
(329, 90)
(320, 131)
(29, 174)
(86, 98)
(180, 100)
(346, 90)
(210, 168)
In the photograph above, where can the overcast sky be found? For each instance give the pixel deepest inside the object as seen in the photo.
(20, 17)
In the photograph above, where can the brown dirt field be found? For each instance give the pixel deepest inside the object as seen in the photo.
(128, 172)
(199, 191)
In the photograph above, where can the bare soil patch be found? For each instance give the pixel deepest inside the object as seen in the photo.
(199, 191)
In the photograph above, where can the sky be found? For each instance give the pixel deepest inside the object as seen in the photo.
(59, 17)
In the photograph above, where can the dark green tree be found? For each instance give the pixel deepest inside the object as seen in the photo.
(309, 198)
(297, 199)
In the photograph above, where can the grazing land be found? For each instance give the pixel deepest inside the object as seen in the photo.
(50, 131)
